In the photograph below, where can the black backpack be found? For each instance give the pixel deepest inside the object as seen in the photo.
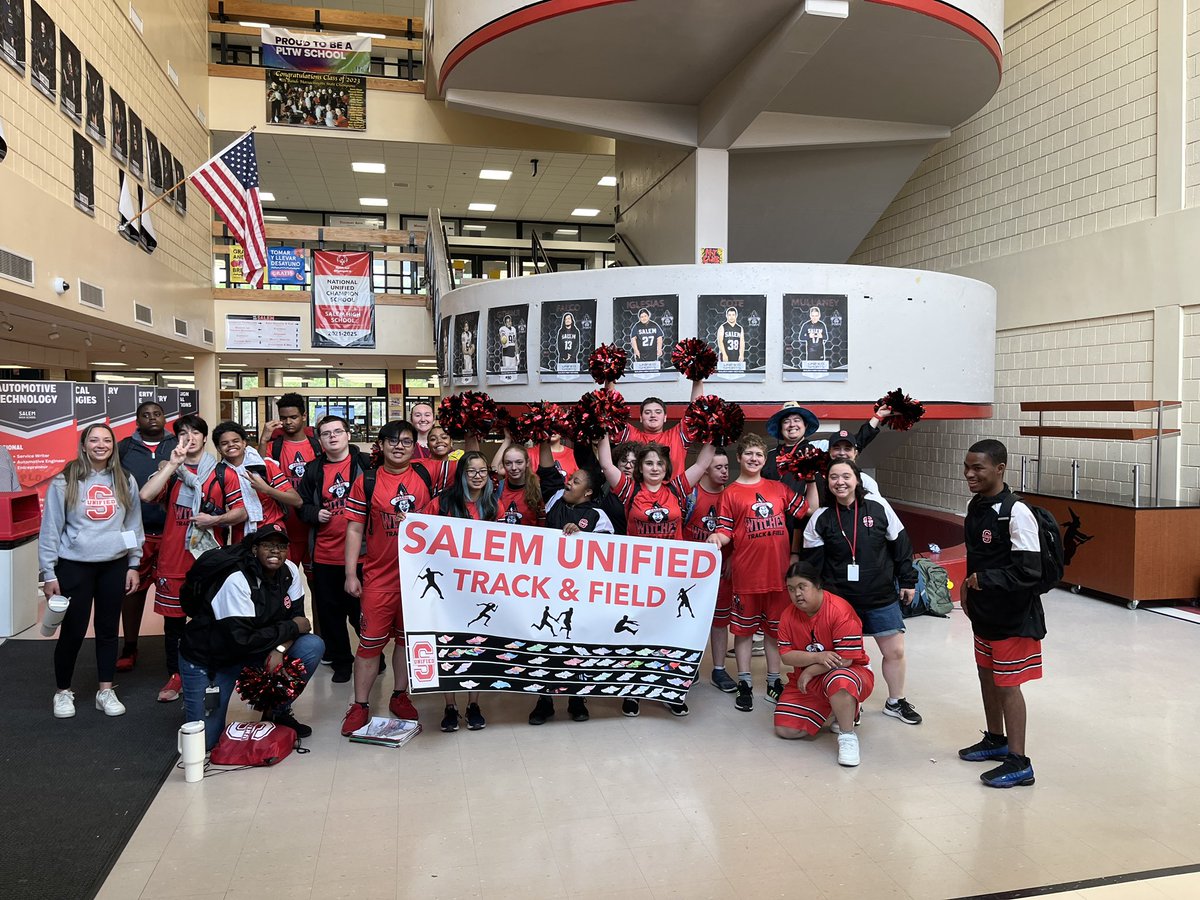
(277, 446)
(1049, 541)
(206, 576)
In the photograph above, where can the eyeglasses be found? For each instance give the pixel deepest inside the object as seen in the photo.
(338, 433)
(477, 473)
(398, 442)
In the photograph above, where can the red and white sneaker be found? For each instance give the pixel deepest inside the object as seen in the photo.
(401, 706)
(358, 715)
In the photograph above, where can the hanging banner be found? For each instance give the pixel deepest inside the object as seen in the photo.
(12, 34)
(91, 404)
(136, 156)
(146, 393)
(42, 71)
(464, 360)
(189, 401)
(283, 49)
(181, 189)
(647, 328)
(37, 427)
(168, 172)
(496, 607)
(71, 87)
(568, 339)
(237, 264)
(121, 405)
(343, 304)
(85, 190)
(443, 351)
(736, 326)
(262, 332)
(168, 399)
(93, 85)
(507, 340)
(120, 127)
(285, 265)
(316, 100)
(816, 341)
(154, 166)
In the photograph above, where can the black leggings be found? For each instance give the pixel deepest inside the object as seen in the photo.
(334, 608)
(88, 583)
(173, 628)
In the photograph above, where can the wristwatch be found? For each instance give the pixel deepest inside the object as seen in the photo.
(281, 648)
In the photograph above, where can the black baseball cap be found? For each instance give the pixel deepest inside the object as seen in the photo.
(843, 437)
(273, 530)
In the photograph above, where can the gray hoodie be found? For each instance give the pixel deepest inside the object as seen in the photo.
(95, 530)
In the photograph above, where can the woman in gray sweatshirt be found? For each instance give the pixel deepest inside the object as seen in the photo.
(89, 550)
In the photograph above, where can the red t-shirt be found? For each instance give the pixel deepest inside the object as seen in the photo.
(272, 511)
(394, 493)
(441, 471)
(835, 627)
(174, 558)
(294, 456)
(513, 509)
(755, 517)
(434, 508)
(703, 521)
(674, 439)
(564, 459)
(330, 547)
(655, 514)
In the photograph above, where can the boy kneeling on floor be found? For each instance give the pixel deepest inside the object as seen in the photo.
(257, 620)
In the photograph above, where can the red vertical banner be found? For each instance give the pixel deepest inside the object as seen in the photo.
(343, 309)
(37, 427)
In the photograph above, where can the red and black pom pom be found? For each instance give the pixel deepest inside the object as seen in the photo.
(694, 358)
(806, 462)
(597, 413)
(468, 413)
(540, 420)
(906, 411)
(265, 690)
(711, 420)
(607, 363)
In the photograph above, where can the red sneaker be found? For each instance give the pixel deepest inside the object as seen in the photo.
(126, 663)
(171, 690)
(358, 715)
(402, 707)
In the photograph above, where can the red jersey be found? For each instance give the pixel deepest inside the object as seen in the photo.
(441, 471)
(755, 517)
(511, 507)
(434, 508)
(294, 456)
(271, 510)
(653, 513)
(174, 558)
(564, 460)
(835, 627)
(675, 439)
(330, 547)
(395, 494)
(703, 521)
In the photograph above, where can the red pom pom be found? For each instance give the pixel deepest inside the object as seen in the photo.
(265, 690)
(694, 358)
(806, 462)
(906, 411)
(540, 420)
(607, 363)
(597, 413)
(711, 420)
(468, 413)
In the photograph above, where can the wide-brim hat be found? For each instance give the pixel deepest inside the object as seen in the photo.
(793, 408)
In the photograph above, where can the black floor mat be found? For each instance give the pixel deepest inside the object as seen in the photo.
(75, 789)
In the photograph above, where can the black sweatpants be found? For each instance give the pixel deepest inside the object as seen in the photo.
(334, 608)
(88, 584)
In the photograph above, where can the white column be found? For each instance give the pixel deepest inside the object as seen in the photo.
(712, 201)
(207, 370)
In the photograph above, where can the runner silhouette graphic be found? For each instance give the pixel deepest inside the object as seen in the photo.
(486, 613)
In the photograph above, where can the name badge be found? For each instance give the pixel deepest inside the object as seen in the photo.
(852, 572)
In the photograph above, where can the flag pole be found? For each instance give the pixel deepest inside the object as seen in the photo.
(171, 189)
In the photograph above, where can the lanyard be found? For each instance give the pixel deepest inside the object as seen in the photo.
(853, 543)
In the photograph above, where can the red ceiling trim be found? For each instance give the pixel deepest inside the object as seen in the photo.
(951, 15)
(510, 22)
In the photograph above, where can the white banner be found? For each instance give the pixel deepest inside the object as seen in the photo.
(343, 306)
(283, 49)
(496, 607)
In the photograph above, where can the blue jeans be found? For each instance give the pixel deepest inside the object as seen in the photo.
(308, 648)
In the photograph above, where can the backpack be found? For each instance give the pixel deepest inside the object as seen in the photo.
(932, 597)
(253, 744)
(210, 571)
(1049, 541)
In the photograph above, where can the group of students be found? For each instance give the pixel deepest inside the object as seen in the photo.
(815, 567)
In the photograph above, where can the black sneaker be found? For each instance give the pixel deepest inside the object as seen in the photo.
(745, 696)
(993, 746)
(1014, 771)
(902, 710)
(774, 691)
(475, 720)
(286, 718)
(630, 708)
(450, 719)
(678, 710)
(577, 709)
(342, 674)
(543, 710)
(722, 682)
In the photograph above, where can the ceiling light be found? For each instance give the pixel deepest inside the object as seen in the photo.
(474, 228)
(582, 211)
(234, 365)
(266, 196)
(482, 207)
(322, 366)
(275, 218)
(426, 368)
(8, 326)
(148, 369)
(369, 168)
(372, 201)
(304, 359)
(187, 357)
(567, 231)
(372, 34)
(54, 334)
(495, 174)
(431, 361)
(608, 181)
(108, 364)
(254, 25)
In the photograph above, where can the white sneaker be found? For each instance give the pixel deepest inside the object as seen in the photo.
(107, 703)
(847, 749)
(64, 704)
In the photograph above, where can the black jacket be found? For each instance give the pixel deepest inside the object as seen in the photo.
(884, 553)
(553, 482)
(1005, 556)
(139, 462)
(314, 478)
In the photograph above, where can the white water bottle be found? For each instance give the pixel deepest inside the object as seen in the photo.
(191, 749)
(56, 609)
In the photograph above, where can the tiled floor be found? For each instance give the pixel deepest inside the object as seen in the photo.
(714, 805)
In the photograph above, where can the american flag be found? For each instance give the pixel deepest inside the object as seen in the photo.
(229, 182)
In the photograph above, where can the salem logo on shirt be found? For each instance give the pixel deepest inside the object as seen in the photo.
(762, 507)
(339, 488)
(100, 503)
(658, 513)
(296, 468)
(868, 521)
(815, 647)
(987, 535)
(512, 515)
(403, 501)
(709, 521)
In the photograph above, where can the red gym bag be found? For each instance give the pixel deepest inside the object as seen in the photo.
(253, 744)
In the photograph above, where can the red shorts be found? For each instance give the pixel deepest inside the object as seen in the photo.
(752, 612)
(149, 561)
(167, 592)
(809, 711)
(723, 612)
(1012, 661)
(382, 619)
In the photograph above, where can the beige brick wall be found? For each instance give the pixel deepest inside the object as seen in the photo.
(1189, 475)
(40, 136)
(1065, 148)
(1192, 109)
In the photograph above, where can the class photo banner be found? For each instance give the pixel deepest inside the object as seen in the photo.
(568, 337)
(736, 327)
(37, 427)
(507, 344)
(464, 359)
(343, 310)
(647, 328)
(283, 49)
(326, 100)
(495, 607)
(816, 341)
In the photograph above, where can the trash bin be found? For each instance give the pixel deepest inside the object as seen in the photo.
(20, 521)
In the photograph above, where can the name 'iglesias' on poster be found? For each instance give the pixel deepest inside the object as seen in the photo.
(507, 340)
(568, 338)
(816, 343)
(647, 327)
(736, 326)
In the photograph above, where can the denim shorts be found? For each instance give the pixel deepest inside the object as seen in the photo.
(882, 621)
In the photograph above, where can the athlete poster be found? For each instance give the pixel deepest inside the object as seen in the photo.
(507, 344)
(343, 310)
(120, 127)
(70, 86)
(91, 404)
(736, 327)
(568, 339)
(181, 194)
(135, 145)
(93, 86)
(464, 359)
(168, 172)
(121, 405)
(12, 34)
(816, 343)
(42, 71)
(153, 163)
(647, 329)
(443, 350)
(37, 427)
(85, 191)
(495, 607)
